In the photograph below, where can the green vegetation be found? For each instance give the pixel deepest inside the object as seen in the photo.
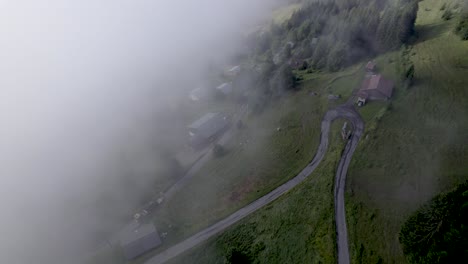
(297, 228)
(437, 232)
(447, 15)
(462, 26)
(333, 34)
(405, 67)
(414, 147)
(344, 84)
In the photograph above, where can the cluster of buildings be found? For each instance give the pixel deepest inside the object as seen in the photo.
(225, 89)
(140, 236)
(211, 125)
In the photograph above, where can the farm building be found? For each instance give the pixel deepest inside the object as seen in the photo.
(207, 128)
(137, 239)
(225, 88)
(198, 94)
(375, 87)
(234, 71)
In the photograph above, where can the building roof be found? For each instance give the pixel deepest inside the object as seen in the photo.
(134, 232)
(235, 69)
(198, 94)
(209, 124)
(225, 88)
(377, 83)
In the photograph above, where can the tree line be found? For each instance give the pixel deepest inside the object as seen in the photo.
(438, 231)
(334, 34)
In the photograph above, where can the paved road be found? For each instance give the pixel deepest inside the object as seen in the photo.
(340, 179)
(343, 254)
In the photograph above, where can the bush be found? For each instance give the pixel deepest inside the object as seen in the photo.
(442, 8)
(283, 79)
(447, 15)
(304, 66)
(235, 256)
(437, 232)
(462, 27)
(218, 150)
(409, 74)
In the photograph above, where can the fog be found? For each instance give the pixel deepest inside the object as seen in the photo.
(82, 84)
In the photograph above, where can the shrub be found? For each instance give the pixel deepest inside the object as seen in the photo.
(437, 232)
(447, 15)
(462, 27)
(235, 256)
(218, 150)
(304, 66)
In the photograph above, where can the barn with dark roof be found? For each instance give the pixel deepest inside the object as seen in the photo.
(375, 87)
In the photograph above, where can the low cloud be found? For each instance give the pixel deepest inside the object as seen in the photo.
(81, 83)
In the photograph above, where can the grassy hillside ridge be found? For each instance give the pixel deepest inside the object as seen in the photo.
(334, 34)
(418, 147)
(296, 228)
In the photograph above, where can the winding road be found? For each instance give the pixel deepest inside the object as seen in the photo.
(344, 111)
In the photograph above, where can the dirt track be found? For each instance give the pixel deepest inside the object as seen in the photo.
(346, 112)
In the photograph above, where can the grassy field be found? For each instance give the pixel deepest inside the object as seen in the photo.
(414, 147)
(297, 228)
(335, 83)
(258, 159)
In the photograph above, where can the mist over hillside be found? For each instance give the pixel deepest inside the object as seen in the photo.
(83, 85)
